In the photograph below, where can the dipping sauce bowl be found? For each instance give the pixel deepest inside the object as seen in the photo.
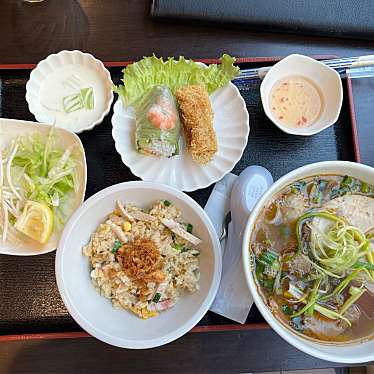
(325, 79)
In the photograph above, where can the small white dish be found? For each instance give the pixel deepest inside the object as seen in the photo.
(61, 75)
(231, 124)
(324, 77)
(350, 353)
(95, 313)
(11, 129)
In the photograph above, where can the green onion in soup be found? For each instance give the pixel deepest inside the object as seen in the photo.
(314, 257)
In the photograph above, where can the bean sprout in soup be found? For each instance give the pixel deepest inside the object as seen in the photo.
(313, 253)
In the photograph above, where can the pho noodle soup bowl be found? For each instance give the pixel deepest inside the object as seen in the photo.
(351, 351)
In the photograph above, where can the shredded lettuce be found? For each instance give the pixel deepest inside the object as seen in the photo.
(141, 76)
(45, 173)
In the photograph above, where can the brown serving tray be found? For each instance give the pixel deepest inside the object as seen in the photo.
(30, 305)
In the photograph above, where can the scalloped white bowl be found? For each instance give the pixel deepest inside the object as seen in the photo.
(94, 312)
(55, 62)
(231, 124)
(9, 130)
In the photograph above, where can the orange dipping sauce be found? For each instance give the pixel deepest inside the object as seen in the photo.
(295, 101)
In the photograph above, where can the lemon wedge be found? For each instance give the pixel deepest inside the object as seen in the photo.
(36, 221)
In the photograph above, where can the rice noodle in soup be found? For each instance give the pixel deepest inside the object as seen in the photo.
(313, 254)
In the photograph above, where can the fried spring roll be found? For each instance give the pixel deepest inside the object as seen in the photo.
(197, 118)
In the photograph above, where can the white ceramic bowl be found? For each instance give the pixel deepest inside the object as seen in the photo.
(11, 129)
(327, 79)
(54, 64)
(349, 353)
(95, 313)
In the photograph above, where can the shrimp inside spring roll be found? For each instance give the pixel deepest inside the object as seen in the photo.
(197, 118)
(157, 124)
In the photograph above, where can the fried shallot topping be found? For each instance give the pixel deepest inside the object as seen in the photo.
(141, 261)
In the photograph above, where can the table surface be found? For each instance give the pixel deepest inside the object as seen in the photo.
(117, 30)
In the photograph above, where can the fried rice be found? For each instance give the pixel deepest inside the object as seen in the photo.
(141, 265)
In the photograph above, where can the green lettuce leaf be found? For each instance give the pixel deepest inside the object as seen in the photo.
(141, 76)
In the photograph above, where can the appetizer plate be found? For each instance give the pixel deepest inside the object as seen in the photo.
(61, 75)
(11, 129)
(231, 124)
(95, 313)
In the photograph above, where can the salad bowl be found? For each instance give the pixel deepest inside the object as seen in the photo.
(10, 130)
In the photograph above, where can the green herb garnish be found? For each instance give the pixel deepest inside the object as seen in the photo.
(260, 267)
(268, 283)
(179, 247)
(286, 309)
(267, 242)
(298, 187)
(347, 182)
(365, 265)
(365, 187)
(167, 203)
(117, 245)
(157, 297)
(268, 257)
(189, 228)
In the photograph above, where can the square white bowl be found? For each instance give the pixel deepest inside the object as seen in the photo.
(325, 78)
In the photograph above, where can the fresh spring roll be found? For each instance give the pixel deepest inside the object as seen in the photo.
(157, 123)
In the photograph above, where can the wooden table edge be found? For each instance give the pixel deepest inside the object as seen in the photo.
(83, 334)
